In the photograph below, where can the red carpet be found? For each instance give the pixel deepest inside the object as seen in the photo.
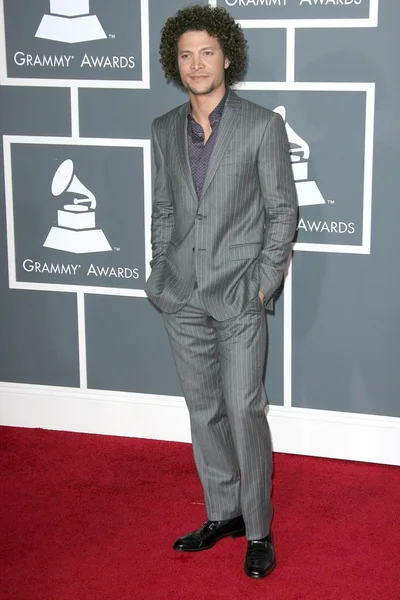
(88, 517)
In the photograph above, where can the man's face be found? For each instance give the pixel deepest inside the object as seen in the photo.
(201, 62)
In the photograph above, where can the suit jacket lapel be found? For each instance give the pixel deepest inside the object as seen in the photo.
(227, 126)
(182, 146)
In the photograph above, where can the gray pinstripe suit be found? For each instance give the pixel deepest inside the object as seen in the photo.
(211, 257)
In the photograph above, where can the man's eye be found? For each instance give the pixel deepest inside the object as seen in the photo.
(208, 53)
(184, 56)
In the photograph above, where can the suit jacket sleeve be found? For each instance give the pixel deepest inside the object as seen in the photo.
(280, 202)
(162, 217)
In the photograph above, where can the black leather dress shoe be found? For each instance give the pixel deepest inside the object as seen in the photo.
(260, 557)
(209, 534)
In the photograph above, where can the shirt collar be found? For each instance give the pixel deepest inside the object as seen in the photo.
(214, 117)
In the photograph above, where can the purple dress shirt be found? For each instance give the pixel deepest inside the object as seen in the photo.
(200, 152)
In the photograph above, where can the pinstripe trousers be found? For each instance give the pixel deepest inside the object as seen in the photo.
(220, 367)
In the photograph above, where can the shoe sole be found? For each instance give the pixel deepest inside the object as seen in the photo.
(259, 575)
(235, 534)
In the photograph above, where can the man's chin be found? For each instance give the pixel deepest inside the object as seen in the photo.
(200, 91)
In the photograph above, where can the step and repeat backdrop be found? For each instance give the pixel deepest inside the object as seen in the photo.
(80, 86)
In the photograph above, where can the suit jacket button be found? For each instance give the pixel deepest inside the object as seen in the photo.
(200, 217)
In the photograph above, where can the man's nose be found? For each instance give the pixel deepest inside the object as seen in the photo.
(197, 63)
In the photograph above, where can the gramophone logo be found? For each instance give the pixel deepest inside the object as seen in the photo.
(76, 229)
(70, 22)
(308, 192)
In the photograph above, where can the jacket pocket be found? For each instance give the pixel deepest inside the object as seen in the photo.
(245, 251)
(235, 159)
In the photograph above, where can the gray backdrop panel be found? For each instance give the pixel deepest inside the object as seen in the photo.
(39, 338)
(127, 347)
(296, 9)
(35, 111)
(25, 50)
(344, 340)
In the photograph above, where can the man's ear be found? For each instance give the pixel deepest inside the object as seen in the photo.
(227, 62)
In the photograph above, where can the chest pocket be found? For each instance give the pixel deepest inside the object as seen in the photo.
(236, 159)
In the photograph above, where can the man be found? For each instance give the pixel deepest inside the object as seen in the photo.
(224, 216)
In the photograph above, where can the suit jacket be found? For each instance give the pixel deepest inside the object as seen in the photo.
(234, 240)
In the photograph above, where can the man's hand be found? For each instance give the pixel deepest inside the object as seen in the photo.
(261, 297)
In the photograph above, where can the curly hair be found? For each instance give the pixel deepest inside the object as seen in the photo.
(219, 24)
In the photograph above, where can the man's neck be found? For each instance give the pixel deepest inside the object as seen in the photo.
(204, 104)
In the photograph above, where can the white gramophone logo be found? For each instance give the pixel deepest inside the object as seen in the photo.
(308, 193)
(76, 230)
(70, 22)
